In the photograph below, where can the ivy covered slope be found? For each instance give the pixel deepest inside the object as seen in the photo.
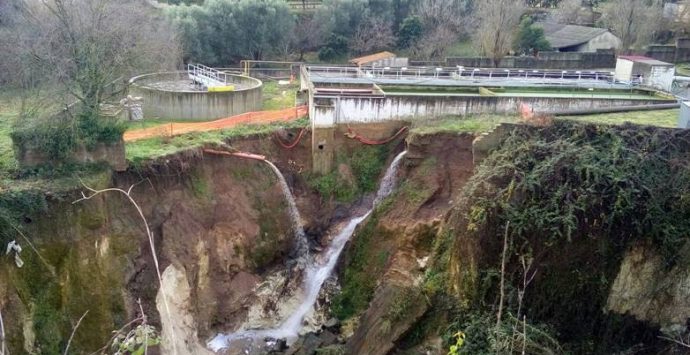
(569, 201)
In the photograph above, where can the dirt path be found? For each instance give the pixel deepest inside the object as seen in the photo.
(259, 117)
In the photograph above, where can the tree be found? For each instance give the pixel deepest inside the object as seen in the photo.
(221, 32)
(530, 38)
(82, 47)
(342, 17)
(308, 34)
(88, 44)
(497, 20)
(635, 22)
(443, 22)
(410, 32)
(567, 12)
(372, 35)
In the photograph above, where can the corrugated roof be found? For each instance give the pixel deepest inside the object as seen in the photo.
(562, 36)
(645, 60)
(372, 58)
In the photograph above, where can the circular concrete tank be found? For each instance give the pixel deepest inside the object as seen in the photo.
(172, 95)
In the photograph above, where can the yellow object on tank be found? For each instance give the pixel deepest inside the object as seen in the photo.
(221, 88)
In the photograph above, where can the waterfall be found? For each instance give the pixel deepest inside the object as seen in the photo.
(302, 244)
(316, 273)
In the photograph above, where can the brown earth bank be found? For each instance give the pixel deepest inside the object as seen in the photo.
(409, 273)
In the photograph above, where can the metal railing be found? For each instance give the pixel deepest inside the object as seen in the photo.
(461, 73)
(207, 76)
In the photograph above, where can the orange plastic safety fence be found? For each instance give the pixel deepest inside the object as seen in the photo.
(174, 129)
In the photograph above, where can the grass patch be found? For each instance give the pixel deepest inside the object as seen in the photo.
(367, 163)
(141, 150)
(278, 97)
(683, 69)
(462, 49)
(360, 275)
(473, 124)
(661, 118)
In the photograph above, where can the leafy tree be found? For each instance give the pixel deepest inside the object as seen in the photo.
(223, 31)
(335, 47)
(530, 38)
(410, 32)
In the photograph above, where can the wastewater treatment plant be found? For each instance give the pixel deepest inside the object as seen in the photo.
(299, 186)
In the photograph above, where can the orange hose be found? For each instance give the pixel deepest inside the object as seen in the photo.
(367, 141)
(293, 144)
(238, 154)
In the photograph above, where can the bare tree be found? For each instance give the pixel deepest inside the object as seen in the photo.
(84, 45)
(497, 23)
(567, 12)
(373, 34)
(308, 34)
(443, 22)
(434, 43)
(635, 22)
(441, 13)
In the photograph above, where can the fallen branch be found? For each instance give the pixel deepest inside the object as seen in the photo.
(149, 234)
(3, 347)
(680, 342)
(74, 330)
(503, 277)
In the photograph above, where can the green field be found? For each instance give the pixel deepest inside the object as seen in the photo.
(661, 118)
(145, 149)
(472, 124)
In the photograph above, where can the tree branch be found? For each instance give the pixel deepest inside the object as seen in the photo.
(149, 235)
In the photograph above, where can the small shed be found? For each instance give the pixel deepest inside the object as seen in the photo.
(381, 59)
(574, 38)
(645, 71)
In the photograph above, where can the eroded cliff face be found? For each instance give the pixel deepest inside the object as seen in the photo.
(646, 288)
(401, 236)
(218, 223)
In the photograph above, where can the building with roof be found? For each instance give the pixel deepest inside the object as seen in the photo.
(645, 71)
(574, 38)
(380, 60)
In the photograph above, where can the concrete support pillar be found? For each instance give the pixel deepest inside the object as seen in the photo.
(323, 148)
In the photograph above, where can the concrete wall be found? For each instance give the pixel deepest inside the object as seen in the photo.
(329, 111)
(546, 60)
(606, 40)
(113, 154)
(195, 105)
(673, 53)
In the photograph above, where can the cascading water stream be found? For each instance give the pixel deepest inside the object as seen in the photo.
(316, 273)
(302, 244)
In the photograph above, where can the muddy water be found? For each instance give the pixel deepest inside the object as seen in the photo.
(302, 247)
(320, 269)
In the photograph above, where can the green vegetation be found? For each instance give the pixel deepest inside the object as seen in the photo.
(683, 69)
(278, 97)
(474, 124)
(145, 149)
(593, 190)
(367, 163)
(463, 48)
(530, 38)
(57, 137)
(362, 270)
(217, 33)
(661, 118)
